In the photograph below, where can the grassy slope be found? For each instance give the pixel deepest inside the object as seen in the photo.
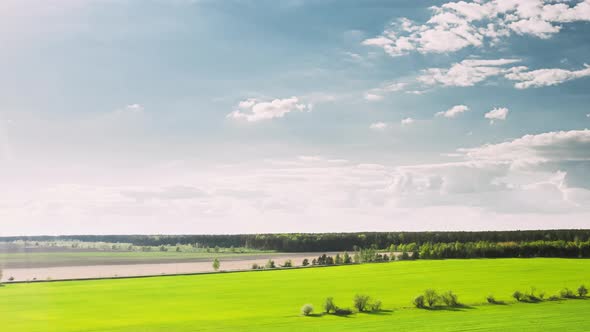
(270, 300)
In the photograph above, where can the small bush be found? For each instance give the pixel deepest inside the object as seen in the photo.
(450, 299)
(518, 295)
(376, 306)
(342, 311)
(307, 309)
(431, 297)
(11, 279)
(419, 301)
(566, 293)
(270, 264)
(329, 305)
(305, 262)
(216, 264)
(553, 298)
(491, 299)
(582, 291)
(288, 263)
(360, 302)
(531, 297)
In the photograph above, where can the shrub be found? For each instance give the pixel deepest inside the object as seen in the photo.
(305, 262)
(288, 263)
(360, 302)
(376, 306)
(356, 258)
(11, 279)
(450, 299)
(342, 311)
(553, 298)
(431, 297)
(329, 305)
(582, 291)
(347, 259)
(307, 309)
(419, 301)
(517, 295)
(216, 264)
(270, 264)
(255, 266)
(566, 293)
(531, 297)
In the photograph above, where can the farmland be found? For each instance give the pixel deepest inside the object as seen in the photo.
(271, 300)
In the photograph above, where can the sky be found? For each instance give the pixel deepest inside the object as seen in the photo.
(204, 116)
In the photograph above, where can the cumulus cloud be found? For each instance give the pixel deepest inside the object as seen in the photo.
(377, 93)
(453, 111)
(129, 110)
(457, 25)
(253, 110)
(407, 121)
(561, 146)
(545, 172)
(498, 113)
(378, 126)
(470, 72)
(545, 77)
(531, 182)
(466, 73)
(373, 97)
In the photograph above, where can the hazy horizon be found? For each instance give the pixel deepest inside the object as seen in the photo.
(227, 117)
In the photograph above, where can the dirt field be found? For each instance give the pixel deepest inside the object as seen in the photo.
(145, 269)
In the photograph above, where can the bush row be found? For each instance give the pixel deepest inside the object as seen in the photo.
(360, 302)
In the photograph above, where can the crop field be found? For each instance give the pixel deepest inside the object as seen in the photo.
(271, 300)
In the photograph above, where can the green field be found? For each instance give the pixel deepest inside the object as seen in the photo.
(271, 300)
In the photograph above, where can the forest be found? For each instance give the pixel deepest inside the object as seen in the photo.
(318, 242)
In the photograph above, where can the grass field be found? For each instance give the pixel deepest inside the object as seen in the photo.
(271, 300)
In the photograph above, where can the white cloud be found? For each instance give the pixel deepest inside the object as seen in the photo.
(373, 97)
(470, 72)
(545, 77)
(129, 110)
(535, 181)
(310, 158)
(407, 121)
(465, 73)
(378, 126)
(457, 25)
(543, 173)
(135, 108)
(253, 110)
(534, 26)
(498, 113)
(571, 145)
(453, 111)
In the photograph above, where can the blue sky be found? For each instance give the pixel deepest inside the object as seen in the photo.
(123, 116)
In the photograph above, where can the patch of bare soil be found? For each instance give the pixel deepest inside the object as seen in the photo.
(148, 269)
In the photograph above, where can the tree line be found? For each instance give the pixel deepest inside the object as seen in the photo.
(301, 242)
(484, 249)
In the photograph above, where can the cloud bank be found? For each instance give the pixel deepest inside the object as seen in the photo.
(457, 25)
